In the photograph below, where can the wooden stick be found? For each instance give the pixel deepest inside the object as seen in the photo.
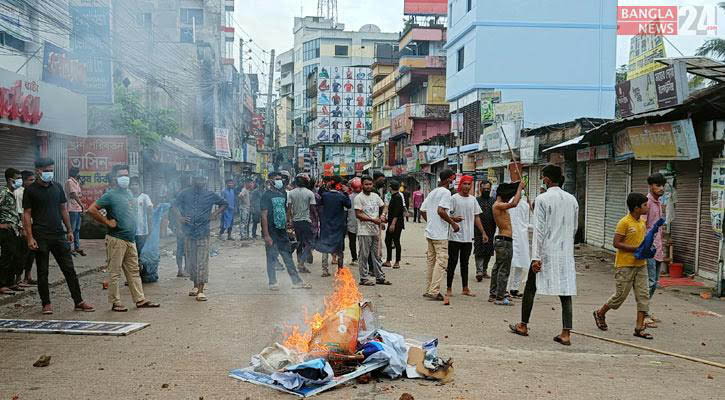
(513, 157)
(667, 353)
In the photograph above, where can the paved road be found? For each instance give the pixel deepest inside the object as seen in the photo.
(190, 346)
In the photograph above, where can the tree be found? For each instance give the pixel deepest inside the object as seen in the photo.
(714, 48)
(130, 117)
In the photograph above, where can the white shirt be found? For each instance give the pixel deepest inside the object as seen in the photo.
(520, 216)
(556, 219)
(466, 207)
(370, 206)
(437, 227)
(143, 201)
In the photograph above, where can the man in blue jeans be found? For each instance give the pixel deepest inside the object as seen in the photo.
(75, 207)
(656, 184)
(274, 231)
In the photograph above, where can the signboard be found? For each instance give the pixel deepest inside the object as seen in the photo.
(529, 149)
(622, 146)
(469, 162)
(250, 153)
(346, 154)
(511, 111)
(492, 137)
(665, 141)
(717, 195)
(94, 157)
(221, 142)
(328, 169)
(344, 105)
(425, 7)
(601, 152)
(91, 44)
(411, 158)
(70, 327)
(585, 154)
(62, 68)
(42, 106)
(510, 135)
(487, 111)
(643, 50)
(457, 122)
(650, 92)
(431, 154)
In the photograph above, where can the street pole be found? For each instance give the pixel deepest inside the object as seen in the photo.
(268, 115)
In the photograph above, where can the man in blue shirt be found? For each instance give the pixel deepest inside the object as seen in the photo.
(121, 251)
(193, 207)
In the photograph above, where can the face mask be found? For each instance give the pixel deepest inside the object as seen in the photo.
(123, 181)
(278, 184)
(486, 194)
(18, 183)
(47, 176)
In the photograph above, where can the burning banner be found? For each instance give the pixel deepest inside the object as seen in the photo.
(340, 343)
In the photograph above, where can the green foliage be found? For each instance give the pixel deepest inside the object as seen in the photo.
(132, 118)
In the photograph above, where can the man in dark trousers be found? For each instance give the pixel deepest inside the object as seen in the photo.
(396, 218)
(10, 249)
(333, 224)
(44, 217)
(483, 251)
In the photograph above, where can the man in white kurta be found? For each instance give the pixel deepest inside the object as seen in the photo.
(552, 267)
(521, 260)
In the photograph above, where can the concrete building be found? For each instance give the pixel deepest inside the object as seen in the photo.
(557, 57)
(332, 88)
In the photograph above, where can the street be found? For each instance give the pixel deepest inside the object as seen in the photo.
(190, 346)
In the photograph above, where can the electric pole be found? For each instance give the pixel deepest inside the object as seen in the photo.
(269, 140)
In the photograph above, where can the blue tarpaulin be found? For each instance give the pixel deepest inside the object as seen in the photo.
(150, 255)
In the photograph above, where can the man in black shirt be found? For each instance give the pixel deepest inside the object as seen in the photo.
(44, 216)
(396, 213)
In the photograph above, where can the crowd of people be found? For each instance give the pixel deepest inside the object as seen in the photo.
(304, 216)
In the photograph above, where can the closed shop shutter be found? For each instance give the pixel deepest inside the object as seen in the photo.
(19, 149)
(640, 173)
(617, 191)
(684, 227)
(596, 174)
(709, 242)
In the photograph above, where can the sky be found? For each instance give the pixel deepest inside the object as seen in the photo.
(269, 23)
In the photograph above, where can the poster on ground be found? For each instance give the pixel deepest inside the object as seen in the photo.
(717, 195)
(94, 157)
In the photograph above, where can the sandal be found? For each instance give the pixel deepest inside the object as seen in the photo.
(367, 283)
(642, 334)
(491, 299)
(383, 282)
(81, 252)
(447, 300)
(194, 292)
(148, 304)
(201, 297)
(85, 307)
(600, 321)
(325, 274)
(515, 329)
(559, 340)
(119, 308)
(396, 266)
(467, 292)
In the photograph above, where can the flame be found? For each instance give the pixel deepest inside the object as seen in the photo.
(346, 294)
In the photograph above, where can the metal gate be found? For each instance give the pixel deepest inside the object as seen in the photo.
(684, 227)
(616, 195)
(640, 173)
(596, 179)
(19, 149)
(709, 243)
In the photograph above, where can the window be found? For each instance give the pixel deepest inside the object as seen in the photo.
(187, 35)
(311, 50)
(192, 16)
(468, 5)
(450, 15)
(143, 20)
(229, 49)
(341, 50)
(229, 16)
(461, 58)
(11, 41)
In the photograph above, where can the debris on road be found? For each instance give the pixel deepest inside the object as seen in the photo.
(342, 343)
(43, 361)
(706, 314)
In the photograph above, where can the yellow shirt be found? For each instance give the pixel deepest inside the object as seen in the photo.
(634, 232)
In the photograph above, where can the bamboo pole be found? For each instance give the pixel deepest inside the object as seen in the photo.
(653, 350)
(513, 157)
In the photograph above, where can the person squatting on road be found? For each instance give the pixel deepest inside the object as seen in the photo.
(503, 241)
(552, 272)
(368, 208)
(299, 201)
(274, 231)
(483, 251)
(194, 207)
(396, 224)
(121, 252)
(435, 212)
(333, 225)
(460, 243)
(44, 216)
(630, 271)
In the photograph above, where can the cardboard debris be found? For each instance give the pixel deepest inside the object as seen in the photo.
(416, 357)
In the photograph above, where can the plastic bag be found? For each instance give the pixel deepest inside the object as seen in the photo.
(150, 256)
(274, 358)
(394, 351)
(313, 372)
(339, 331)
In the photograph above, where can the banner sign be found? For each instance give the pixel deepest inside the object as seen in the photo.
(492, 137)
(344, 105)
(250, 153)
(221, 142)
(649, 92)
(622, 146)
(425, 7)
(70, 327)
(61, 68)
(665, 141)
(431, 154)
(94, 157)
(529, 149)
(91, 44)
(717, 195)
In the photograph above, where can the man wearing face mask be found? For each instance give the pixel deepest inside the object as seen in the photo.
(121, 252)
(483, 251)
(194, 207)
(44, 216)
(10, 263)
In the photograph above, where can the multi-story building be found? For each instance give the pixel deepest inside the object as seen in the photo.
(332, 91)
(284, 109)
(409, 105)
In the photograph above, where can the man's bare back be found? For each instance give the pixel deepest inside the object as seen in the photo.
(501, 215)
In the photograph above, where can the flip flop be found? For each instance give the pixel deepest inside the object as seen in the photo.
(194, 292)
(515, 329)
(640, 333)
(149, 304)
(201, 297)
(559, 340)
(119, 308)
(600, 321)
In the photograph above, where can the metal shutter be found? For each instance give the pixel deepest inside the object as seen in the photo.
(684, 227)
(596, 179)
(617, 190)
(709, 245)
(19, 149)
(640, 173)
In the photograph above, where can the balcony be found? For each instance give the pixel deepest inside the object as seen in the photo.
(385, 84)
(420, 33)
(411, 62)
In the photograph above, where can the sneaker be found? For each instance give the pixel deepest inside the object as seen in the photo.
(302, 285)
(353, 263)
(274, 287)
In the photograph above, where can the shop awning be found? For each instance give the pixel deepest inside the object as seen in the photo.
(184, 147)
(568, 143)
(702, 66)
(464, 149)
